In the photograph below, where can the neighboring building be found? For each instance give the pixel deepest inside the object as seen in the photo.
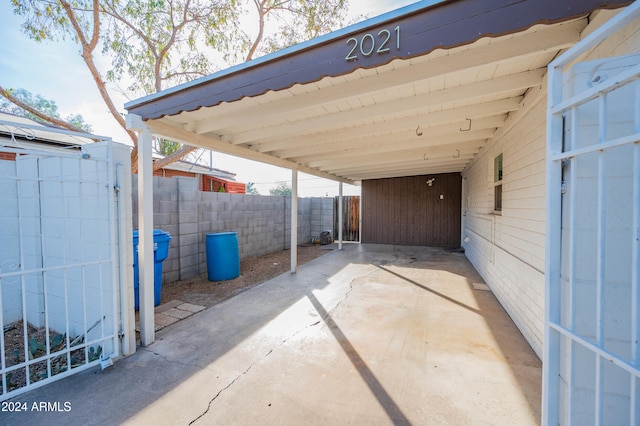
(210, 178)
(34, 137)
(213, 184)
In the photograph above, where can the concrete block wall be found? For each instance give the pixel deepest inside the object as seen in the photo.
(258, 220)
(322, 211)
(165, 217)
(304, 221)
(263, 223)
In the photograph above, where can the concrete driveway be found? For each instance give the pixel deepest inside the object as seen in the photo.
(368, 335)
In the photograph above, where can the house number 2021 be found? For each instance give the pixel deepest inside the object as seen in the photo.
(368, 43)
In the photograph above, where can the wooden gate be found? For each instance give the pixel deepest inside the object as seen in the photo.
(350, 218)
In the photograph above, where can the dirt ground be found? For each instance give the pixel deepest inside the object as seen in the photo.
(200, 291)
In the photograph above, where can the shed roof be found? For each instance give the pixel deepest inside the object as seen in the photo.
(23, 132)
(416, 91)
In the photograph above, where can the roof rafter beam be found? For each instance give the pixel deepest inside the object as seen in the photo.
(406, 165)
(355, 154)
(432, 119)
(369, 141)
(184, 136)
(541, 39)
(405, 173)
(498, 86)
(442, 151)
(423, 170)
(388, 144)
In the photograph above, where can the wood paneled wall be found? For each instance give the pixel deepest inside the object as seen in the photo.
(407, 211)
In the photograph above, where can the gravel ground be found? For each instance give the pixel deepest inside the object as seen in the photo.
(200, 291)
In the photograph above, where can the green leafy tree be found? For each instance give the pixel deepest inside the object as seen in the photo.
(283, 188)
(166, 147)
(37, 108)
(161, 43)
(155, 44)
(251, 189)
(291, 21)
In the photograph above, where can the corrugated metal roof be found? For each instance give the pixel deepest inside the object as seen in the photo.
(32, 133)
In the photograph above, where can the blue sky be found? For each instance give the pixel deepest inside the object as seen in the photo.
(56, 71)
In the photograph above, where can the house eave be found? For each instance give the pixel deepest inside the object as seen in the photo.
(422, 28)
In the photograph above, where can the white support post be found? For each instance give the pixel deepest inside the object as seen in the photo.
(360, 218)
(340, 216)
(145, 230)
(294, 221)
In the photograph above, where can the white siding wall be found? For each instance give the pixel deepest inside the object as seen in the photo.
(508, 248)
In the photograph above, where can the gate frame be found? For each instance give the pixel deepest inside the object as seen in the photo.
(120, 251)
(555, 156)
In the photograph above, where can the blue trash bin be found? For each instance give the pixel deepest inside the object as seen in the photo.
(223, 256)
(161, 241)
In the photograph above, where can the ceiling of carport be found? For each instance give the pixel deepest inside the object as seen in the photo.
(424, 115)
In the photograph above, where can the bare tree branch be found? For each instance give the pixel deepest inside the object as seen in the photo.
(256, 42)
(178, 155)
(61, 123)
(87, 56)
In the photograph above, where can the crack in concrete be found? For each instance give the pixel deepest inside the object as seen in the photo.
(235, 379)
(282, 342)
(344, 298)
(322, 319)
(346, 295)
(171, 361)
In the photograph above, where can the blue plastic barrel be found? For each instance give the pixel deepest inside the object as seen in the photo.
(161, 241)
(223, 256)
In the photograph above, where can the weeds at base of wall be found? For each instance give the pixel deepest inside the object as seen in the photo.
(14, 351)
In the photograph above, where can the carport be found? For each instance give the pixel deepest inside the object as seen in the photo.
(401, 104)
(418, 91)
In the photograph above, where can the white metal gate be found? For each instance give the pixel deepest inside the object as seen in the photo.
(592, 316)
(58, 286)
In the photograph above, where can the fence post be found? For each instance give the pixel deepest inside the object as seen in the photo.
(340, 216)
(294, 221)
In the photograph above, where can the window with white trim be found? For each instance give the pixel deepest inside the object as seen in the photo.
(497, 183)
